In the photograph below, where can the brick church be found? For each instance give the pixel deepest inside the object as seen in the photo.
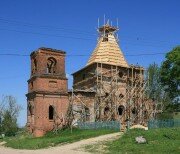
(47, 98)
(106, 89)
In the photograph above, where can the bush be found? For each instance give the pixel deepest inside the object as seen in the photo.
(9, 111)
(165, 115)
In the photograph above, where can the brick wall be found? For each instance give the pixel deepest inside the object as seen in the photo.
(46, 89)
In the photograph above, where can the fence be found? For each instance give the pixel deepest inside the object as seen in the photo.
(163, 123)
(100, 125)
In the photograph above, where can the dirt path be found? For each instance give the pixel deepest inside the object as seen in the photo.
(73, 148)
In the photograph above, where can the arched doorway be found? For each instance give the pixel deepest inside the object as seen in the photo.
(121, 110)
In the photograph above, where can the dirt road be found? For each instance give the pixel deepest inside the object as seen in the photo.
(73, 148)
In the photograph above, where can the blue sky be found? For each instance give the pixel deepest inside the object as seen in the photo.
(146, 26)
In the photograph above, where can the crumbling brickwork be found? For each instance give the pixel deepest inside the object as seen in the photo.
(47, 98)
(100, 87)
(108, 88)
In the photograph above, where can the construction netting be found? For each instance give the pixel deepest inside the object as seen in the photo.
(164, 123)
(100, 125)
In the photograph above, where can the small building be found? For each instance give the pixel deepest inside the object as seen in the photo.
(47, 97)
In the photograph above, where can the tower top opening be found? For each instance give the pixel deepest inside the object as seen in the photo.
(107, 28)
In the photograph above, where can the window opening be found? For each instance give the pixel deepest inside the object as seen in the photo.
(120, 110)
(51, 65)
(51, 112)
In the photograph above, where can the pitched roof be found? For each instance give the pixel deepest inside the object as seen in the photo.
(108, 51)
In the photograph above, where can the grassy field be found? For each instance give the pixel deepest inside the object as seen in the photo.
(166, 140)
(51, 139)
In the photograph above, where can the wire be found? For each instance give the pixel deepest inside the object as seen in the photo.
(73, 31)
(25, 24)
(131, 55)
(44, 34)
(14, 54)
(78, 31)
(68, 55)
(12, 77)
(79, 38)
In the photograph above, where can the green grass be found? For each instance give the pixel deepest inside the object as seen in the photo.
(166, 140)
(51, 139)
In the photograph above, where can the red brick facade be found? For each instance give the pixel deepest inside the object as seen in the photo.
(87, 88)
(47, 96)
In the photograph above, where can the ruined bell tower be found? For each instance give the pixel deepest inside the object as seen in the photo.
(47, 97)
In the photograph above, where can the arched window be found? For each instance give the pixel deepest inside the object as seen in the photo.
(31, 85)
(51, 112)
(106, 94)
(145, 114)
(121, 95)
(51, 65)
(87, 114)
(120, 110)
(105, 37)
(84, 76)
(30, 108)
(121, 74)
(134, 111)
(34, 66)
(106, 110)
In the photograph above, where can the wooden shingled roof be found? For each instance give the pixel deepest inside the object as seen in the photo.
(108, 52)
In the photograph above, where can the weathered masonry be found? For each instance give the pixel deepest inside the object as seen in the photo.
(47, 98)
(108, 88)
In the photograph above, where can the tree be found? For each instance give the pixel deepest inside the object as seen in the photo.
(9, 124)
(8, 115)
(170, 74)
(154, 89)
(2, 105)
(156, 92)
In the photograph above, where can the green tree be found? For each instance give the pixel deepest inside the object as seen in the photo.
(2, 104)
(9, 114)
(154, 88)
(156, 92)
(170, 74)
(9, 124)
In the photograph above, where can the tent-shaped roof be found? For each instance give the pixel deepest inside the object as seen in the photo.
(108, 51)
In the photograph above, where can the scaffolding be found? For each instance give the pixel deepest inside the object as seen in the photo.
(117, 95)
(109, 89)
